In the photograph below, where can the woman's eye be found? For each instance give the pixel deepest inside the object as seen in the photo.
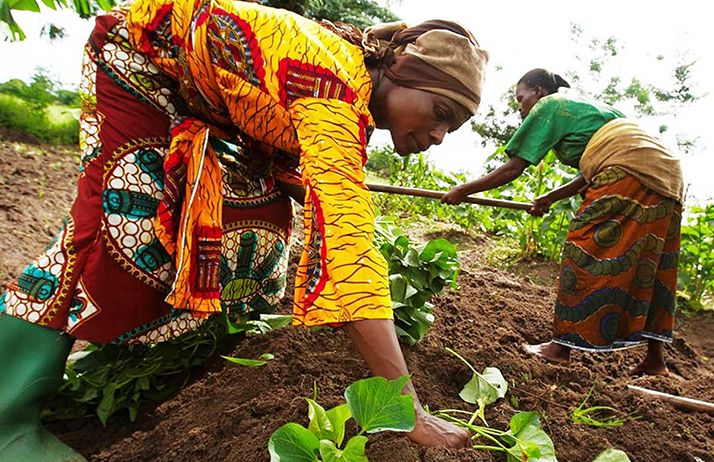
(439, 113)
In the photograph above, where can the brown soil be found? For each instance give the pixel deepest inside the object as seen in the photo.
(228, 412)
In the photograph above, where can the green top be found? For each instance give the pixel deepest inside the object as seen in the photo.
(562, 122)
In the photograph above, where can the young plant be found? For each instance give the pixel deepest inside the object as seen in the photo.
(483, 388)
(599, 416)
(376, 404)
(524, 439)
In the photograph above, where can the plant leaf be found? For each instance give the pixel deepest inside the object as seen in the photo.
(354, 450)
(245, 362)
(377, 404)
(612, 455)
(338, 416)
(320, 425)
(293, 443)
(530, 440)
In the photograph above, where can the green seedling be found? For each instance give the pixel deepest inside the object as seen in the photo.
(264, 358)
(483, 388)
(375, 404)
(599, 416)
(523, 441)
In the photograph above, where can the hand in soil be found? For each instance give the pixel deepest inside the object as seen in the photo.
(550, 351)
(433, 431)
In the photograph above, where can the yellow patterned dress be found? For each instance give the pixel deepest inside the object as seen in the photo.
(191, 112)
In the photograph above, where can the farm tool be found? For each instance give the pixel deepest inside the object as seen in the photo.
(430, 193)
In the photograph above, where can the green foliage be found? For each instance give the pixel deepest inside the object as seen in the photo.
(696, 258)
(376, 405)
(109, 379)
(10, 29)
(361, 13)
(41, 109)
(416, 274)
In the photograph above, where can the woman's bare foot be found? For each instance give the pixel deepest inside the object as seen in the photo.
(550, 351)
(653, 364)
(645, 368)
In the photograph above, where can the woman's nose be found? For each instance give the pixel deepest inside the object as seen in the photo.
(438, 134)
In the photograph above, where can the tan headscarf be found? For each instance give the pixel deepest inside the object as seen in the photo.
(441, 57)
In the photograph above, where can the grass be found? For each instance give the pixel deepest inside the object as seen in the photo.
(56, 124)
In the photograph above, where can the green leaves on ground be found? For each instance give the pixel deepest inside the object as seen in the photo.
(599, 416)
(696, 257)
(376, 404)
(524, 440)
(114, 378)
(416, 274)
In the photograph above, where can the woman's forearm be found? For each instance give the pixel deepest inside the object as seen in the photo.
(504, 174)
(376, 341)
(569, 189)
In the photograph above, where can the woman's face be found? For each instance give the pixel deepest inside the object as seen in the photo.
(527, 96)
(418, 119)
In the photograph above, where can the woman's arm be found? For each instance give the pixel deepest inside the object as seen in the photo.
(502, 175)
(376, 341)
(543, 203)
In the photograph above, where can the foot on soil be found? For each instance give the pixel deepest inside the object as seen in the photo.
(550, 351)
(647, 368)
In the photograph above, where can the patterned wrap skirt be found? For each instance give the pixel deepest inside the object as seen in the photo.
(618, 275)
(105, 277)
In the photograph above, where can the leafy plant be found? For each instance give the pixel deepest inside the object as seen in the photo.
(416, 274)
(376, 405)
(696, 258)
(523, 440)
(109, 379)
(483, 388)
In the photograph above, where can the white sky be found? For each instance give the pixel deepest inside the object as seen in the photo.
(519, 35)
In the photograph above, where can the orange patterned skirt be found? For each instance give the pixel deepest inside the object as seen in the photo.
(618, 275)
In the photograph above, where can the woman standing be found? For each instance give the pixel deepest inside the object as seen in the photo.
(199, 119)
(618, 273)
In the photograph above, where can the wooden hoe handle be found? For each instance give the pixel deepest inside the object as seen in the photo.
(439, 194)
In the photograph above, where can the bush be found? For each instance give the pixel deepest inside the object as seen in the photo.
(61, 127)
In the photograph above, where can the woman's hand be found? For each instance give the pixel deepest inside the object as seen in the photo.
(541, 205)
(455, 196)
(433, 431)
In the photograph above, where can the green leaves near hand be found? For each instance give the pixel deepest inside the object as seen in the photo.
(293, 443)
(377, 404)
(529, 439)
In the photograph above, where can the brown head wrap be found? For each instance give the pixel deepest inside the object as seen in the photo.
(441, 57)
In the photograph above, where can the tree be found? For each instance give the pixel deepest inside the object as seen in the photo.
(358, 12)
